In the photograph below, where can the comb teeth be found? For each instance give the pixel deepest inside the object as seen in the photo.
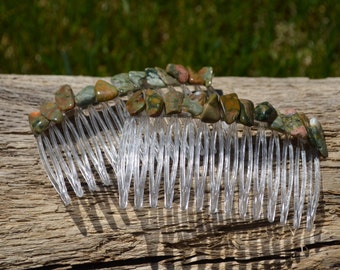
(262, 172)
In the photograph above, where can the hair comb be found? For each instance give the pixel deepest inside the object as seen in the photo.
(171, 131)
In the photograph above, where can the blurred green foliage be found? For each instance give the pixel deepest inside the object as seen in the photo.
(238, 38)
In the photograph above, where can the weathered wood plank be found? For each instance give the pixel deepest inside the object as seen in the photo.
(37, 230)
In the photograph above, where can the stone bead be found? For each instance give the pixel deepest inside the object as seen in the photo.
(136, 103)
(154, 103)
(152, 78)
(290, 122)
(195, 77)
(207, 74)
(299, 132)
(200, 97)
(64, 98)
(173, 101)
(122, 82)
(278, 124)
(137, 78)
(38, 123)
(194, 103)
(316, 137)
(203, 77)
(304, 119)
(104, 91)
(211, 111)
(51, 112)
(230, 107)
(85, 96)
(265, 112)
(289, 111)
(167, 79)
(247, 110)
(191, 106)
(178, 71)
(302, 130)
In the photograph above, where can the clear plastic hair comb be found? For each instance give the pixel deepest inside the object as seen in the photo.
(160, 133)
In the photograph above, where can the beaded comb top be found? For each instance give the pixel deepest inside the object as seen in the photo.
(172, 123)
(209, 106)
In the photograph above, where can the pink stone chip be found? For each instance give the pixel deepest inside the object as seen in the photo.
(299, 132)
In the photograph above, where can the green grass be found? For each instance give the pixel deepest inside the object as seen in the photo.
(238, 38)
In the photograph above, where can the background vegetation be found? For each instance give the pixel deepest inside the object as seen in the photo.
(238, 38)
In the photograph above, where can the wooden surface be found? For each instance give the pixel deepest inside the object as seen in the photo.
(37, 230)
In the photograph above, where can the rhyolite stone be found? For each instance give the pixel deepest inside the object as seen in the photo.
(166, 78)
(316, 137)
(304, 119)
(278, 124)
(194, 103)
(85, 96)
(301, 131)
(191, 106)
(203, 77)
(211, 110)
(199, 96)
(247, 109)
(154, 103)
(51, 112)
(152, 78)
(64, 98)
(283, 121)
(230, 105)
(207, 74)
(173, 101)
(122, 82)
(265, 112)
(290, 122)
(38, 122)
(195, 77)
(136, 103)
(137, 78)
(178, 71)
(104, 91)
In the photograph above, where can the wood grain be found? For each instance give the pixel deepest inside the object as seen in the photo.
(37, 230)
